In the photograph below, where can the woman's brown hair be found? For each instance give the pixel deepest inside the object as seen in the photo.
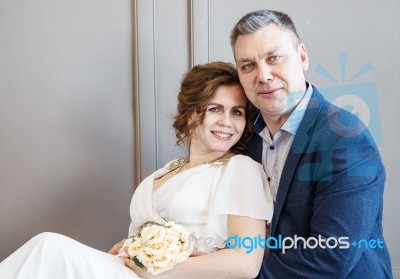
(198, 86)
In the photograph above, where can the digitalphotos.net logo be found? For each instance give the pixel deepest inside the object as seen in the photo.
(285, 243)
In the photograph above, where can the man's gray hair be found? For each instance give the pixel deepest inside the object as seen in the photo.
(254, 21)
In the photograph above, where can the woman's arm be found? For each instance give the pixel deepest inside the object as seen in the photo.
(225, 263)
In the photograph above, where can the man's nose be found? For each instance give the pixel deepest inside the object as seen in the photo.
(264, 73)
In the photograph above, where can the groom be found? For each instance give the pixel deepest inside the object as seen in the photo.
(323, 166)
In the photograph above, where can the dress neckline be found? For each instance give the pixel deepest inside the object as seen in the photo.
(177, 164)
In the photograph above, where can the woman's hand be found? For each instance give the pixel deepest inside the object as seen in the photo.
(115, 249)
(140, 271)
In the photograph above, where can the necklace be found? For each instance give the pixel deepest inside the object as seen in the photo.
(176, 166)
(178, 169)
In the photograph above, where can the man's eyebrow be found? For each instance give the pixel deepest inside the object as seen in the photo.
(274, 50)
(266, 53)
(243, 60)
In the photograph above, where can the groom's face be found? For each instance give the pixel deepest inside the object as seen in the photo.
(271, 69)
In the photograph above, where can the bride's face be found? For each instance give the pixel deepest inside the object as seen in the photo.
(224, 121)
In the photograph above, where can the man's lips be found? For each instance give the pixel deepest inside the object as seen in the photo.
(268, 91)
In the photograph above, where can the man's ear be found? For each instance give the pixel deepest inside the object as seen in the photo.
(303, 56)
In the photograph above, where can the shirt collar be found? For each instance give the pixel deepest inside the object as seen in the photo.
(293, 122)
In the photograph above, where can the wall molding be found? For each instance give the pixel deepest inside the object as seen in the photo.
(199, 32)
(136, 108)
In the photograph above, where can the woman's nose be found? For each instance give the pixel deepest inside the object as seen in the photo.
(225, 119)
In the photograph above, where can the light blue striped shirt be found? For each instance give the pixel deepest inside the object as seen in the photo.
(275, 150)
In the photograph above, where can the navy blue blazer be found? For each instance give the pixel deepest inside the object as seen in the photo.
(331, 187)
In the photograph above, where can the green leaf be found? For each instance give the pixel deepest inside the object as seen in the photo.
(137, 262)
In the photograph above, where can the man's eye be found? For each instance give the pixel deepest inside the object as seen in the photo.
(275, 58)
(246, 67)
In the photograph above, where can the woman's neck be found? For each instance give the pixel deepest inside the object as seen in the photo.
(196, 159)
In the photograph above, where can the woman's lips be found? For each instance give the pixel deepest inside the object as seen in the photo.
(222, 135)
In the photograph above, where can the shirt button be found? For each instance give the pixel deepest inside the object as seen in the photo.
(272, 147)
(269, 178)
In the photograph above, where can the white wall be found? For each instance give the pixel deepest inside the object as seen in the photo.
(66, 120)
(367, 31)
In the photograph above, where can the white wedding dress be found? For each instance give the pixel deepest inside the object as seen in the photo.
(200, 199)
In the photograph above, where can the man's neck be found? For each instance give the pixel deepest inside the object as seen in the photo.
(273, 123)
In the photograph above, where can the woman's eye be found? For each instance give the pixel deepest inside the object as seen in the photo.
(214, 109)
(237, 112)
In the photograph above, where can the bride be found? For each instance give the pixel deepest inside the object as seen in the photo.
(214, 194)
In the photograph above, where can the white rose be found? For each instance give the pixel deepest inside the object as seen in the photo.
(173, 248)
(159, 264)
(156, 248)
(153, 233)
(145, 258)
(136, 246)
(162, 261)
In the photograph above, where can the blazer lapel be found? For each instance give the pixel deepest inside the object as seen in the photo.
(299, 146)
(254, 148)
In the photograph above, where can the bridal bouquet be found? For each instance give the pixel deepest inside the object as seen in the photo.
(160, 247)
